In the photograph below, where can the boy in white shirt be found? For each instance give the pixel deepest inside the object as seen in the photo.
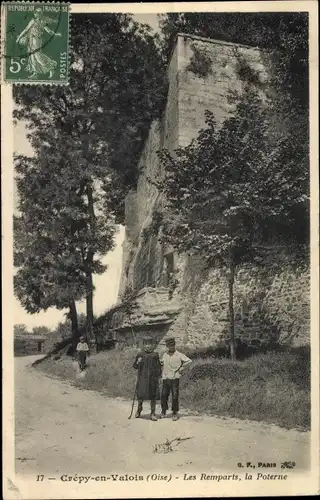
(82, 350)
(173, 363)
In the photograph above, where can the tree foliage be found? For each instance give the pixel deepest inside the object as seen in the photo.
(284, 36)
(237, 177)
(115, 90)
(233, 190)
(54, 237)
(85, 138)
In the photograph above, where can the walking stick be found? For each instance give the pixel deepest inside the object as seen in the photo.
(134, 395)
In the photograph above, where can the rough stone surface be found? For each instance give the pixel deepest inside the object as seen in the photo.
(272, 302)
(150, 312)
(197, 94)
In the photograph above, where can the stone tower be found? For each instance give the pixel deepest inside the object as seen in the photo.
(200, 74)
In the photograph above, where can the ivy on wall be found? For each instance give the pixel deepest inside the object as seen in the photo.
(200, 62)
(246, 72)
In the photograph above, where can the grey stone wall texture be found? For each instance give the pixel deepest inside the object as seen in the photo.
(271, 302)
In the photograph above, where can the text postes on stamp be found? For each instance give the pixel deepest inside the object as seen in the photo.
(36, 47)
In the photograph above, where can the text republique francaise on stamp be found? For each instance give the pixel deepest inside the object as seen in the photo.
(36, 44)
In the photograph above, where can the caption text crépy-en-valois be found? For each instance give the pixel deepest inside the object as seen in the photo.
(67, 478)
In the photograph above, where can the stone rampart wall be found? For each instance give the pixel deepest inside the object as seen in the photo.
(269, 302)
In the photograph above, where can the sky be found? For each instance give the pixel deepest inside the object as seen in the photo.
(107, 284)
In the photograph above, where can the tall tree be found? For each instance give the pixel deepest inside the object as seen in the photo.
(116, 88)
(46, 276)
(231, 191)
(53, 234)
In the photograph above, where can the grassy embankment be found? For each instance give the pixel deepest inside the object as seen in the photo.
(272, 387)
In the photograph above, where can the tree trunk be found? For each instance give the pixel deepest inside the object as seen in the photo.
(74, 324)
(231, 312)
(89, 262)
(89, 302)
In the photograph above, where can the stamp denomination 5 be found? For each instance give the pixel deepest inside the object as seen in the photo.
(36, 43)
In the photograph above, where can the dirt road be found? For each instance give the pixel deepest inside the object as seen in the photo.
(61, 429)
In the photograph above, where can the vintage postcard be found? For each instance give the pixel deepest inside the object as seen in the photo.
(160, 242)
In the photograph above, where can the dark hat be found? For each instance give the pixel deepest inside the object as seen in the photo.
(170, 341)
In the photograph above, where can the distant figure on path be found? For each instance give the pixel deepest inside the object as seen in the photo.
(82, 350)
(173, 363)
(148, 365)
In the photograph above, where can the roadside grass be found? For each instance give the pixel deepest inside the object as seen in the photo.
(272, 387)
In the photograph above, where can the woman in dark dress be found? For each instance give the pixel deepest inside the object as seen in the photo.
(147, 363)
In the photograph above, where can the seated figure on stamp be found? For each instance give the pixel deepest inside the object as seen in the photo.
(31, 37)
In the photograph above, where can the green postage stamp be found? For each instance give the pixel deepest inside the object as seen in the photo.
(36, 42)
